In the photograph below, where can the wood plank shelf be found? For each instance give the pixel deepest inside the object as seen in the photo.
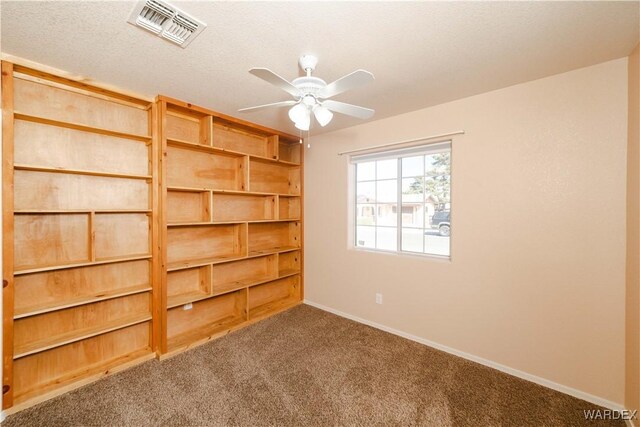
(256, 221)
(212, 261)
(219, 191)
(182, 299)
(76, 211)
(81, 377)
(203, 334)
(36, 119)
(181, 265)
(80, 264)
(278, 250)
(272, 308)
(216, 150)
(77, 172)
(275, 161)
(51, 342)
(224, 288)
(33, 310)
(288, 272)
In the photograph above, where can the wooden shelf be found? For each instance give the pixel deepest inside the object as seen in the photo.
(75, 211)
(288, 272)
(225, 288)
(182, 299)
(81, 377)
(278, 250)
(204, 148)
(76, 335)
(257, 221)
(272, 308)
(80, 264)
(273, 236)
(31, 118)
(217, 150)
(219, 191)
(273, 296)
(274, 161)
(45, 308)
(77, 172)
(181, 265)
(273, 177)
(203, 334)
(205, 318)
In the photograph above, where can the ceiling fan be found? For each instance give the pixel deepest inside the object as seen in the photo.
(311, 94)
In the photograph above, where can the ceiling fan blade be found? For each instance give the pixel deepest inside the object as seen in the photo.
(350, 81)
(348, 109)
(271, 77)
(274, 104)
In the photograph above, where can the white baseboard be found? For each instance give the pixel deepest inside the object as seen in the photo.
(511, 371)
(3, 415)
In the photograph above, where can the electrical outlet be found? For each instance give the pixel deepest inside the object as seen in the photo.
(378, 298)
(187, 306)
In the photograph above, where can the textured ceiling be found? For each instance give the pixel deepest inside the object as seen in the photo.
(421, 53)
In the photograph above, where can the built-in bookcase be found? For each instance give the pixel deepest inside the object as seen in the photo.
(78, 208)
(231, 210)
(133, 229)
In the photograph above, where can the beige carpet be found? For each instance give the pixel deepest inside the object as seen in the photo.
(309, 367)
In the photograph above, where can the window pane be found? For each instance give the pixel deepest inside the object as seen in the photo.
(366, 237)
(366, 171)
(412, 215)
(437, 164)
(387, 214)
(413, 166)
(387, 191)
(366, 192)
(439, 219)
(412, 239)
(365, 214)
(387, 238)
(387, 169)
(412, 189)
(438, 190)
(429, 210)
(437, 236)
(435, 244)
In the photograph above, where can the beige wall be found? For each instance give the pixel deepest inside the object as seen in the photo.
(537, 277)
(632, 396)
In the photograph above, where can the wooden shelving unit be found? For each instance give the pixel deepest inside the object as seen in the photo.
(135, 229)
(78, 233)
(231, 221)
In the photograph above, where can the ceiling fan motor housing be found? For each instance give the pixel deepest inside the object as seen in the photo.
(309, 85)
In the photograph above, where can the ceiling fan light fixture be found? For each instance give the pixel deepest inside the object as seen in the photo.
(305, 122)
(298, 112)
(322, 114)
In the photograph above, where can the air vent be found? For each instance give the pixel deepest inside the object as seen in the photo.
(167, 21)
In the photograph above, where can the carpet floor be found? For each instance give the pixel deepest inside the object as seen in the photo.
(309, 367)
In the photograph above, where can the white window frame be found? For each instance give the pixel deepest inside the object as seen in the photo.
(425, 148)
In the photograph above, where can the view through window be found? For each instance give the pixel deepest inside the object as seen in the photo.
(403, 200)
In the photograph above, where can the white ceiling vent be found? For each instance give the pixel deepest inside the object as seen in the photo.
(167, 21)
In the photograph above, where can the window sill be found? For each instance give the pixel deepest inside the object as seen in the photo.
(440, 258)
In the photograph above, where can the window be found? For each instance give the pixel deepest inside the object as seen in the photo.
(403, 200)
